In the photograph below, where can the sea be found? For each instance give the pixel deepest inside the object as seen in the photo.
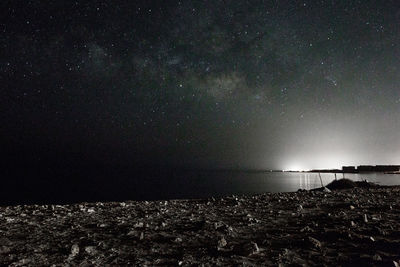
(201, 184)
(79, 185)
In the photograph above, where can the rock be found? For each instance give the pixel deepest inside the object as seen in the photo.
(139, 225)
(219, 226)
(4, 249)
(376, 217)
(251, 248)
(22, 262)
(91, 250)
(382, 232)
(74, 251)
(90, 210)
(352, 207)
(341, 184)
(230, 230)
(307, 229)
(315, 242)
(300, 208)
(289, 257)
(132, 233)
(342, 214)
(326, 190)
(255, 247)
(376, 257)
(222, 243)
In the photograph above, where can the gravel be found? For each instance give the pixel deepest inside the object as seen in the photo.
(357, 226)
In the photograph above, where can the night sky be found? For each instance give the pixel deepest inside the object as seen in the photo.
(205, 84)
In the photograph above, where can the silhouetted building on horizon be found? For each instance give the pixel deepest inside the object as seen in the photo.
(371, 168)
(378, 168)
(349, 169)
(365, 168)
(361, 168)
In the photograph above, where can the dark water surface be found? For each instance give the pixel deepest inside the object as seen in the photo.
(108, 184)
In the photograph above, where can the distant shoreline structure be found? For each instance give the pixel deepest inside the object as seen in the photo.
(387, 169)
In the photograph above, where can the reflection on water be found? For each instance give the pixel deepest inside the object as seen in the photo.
(307, 181)
(205, 184)
(312, 180)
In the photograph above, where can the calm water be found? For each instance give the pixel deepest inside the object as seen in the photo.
(204, 184)
(84, 184)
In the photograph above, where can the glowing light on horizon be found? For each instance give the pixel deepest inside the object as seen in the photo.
(294, 167)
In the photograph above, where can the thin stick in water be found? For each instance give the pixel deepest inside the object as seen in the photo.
(320, 179)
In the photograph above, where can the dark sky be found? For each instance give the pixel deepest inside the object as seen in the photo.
(249, 84)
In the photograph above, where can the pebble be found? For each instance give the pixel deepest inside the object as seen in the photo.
(91, 250)
(316, 243)
(74, 250)
(222, 242)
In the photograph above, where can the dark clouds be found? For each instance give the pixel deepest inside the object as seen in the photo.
(209, 83)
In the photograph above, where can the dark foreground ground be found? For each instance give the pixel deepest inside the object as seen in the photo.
(359, 226)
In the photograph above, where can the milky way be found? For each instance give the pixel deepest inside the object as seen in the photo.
(243, 84)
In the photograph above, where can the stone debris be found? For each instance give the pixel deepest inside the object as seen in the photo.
(74, 250)
(354, 226)
(251, 248)
(222, 243)
(376, 257)
(91, 250)
(326, 190)
(316, 243)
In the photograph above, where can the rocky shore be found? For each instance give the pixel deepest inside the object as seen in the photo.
(356, 226)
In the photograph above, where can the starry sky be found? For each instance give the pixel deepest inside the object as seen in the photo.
(209, 84)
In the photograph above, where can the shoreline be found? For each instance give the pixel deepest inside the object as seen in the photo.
(357, 226)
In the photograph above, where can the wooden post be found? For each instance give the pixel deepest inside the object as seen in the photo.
(319, 174)
(335, 177)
